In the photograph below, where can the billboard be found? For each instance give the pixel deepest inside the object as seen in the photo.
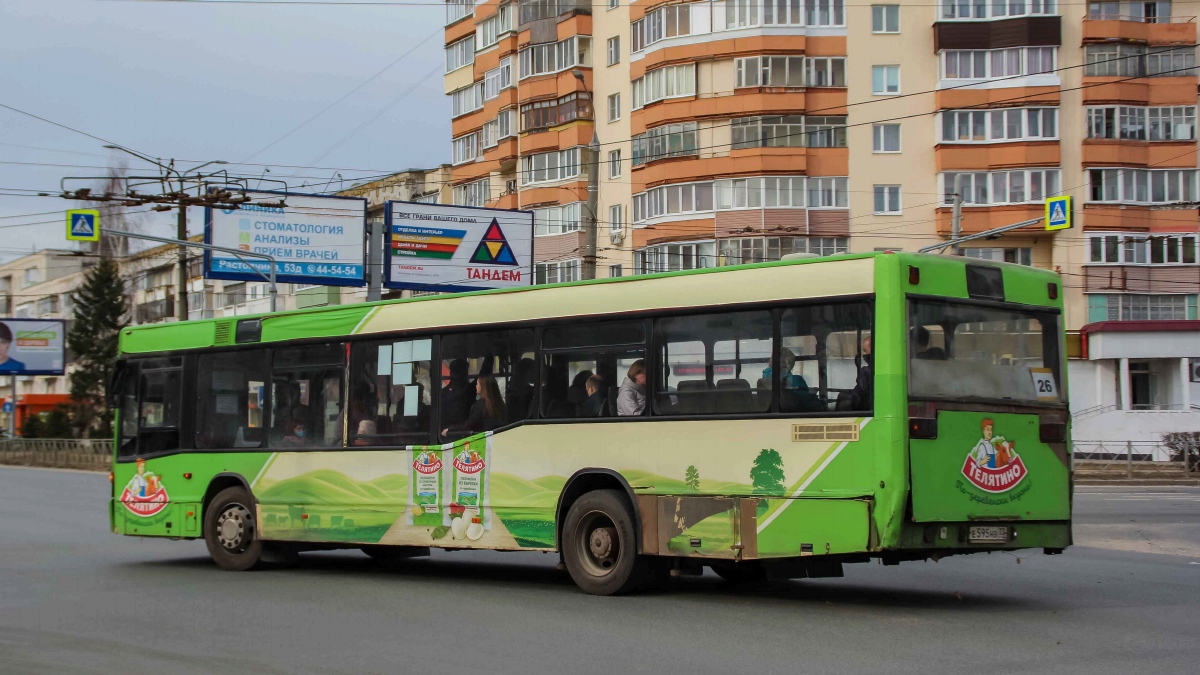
(315, 239)
(32, 346)
(434, 247)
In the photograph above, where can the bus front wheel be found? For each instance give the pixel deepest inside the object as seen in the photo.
(599, 544)
(230, 531)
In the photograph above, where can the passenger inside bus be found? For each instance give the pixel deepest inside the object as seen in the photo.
(578, 392)
(795, 395)
(596, 403)
(861, 397)
(520, 391)
(487, 413)
(924, 351)
(631, 401)
(555, 394)
(295, 429)
(457, 394)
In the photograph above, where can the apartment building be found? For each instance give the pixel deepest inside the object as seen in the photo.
(743, 130)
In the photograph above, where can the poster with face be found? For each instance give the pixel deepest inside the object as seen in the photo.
(32, 346)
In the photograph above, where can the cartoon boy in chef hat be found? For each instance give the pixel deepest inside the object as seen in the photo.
(985, 450)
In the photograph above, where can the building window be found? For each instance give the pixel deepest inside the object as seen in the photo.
(489, 30)
(669, 140)
(669, 200)
(550, 166)
(666, 22)
(613, 4)
(458, 9)
(497, 79)
(997, 9)
(822, 71)
(885, 80)
(827, 192)
(460, 53)
(887, 137)
(887, 199)
(614, 50)
(770, 71)
(1003, 187)
(614, 163)
(532, 10)
(557, 219)
(1119, 60)
(1018, 256)
(545, 114)
(1176, 123)
(556, 272)
(769, 132)
(999, 126)
(978, 64)
(614, 107)
(467, 148)
(616, 216)
(1141, 249)
(1143, 186)
(473, 194)
(465, 100)
(824, 13)
(501, 127)
(747, 250)
(675, 257)
(757, 193)
(664, 83)
(555, 56)
(1141, 307)
(885, 18)
(825, 132)
(614, 271)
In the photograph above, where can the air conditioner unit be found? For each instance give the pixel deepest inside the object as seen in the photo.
(616, 236)
(1194, 368)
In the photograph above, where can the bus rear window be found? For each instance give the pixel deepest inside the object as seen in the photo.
(967, 351)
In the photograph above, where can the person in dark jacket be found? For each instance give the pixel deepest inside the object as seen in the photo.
(596, 403)
(457, 394)
(487, 412)
(862, 396)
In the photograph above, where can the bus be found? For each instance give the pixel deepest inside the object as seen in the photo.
(773, 420)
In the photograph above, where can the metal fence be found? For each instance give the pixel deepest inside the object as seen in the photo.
(1132, 459)
(71, 453)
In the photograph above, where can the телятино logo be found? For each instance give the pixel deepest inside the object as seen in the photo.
(993, 464)
(144, 495)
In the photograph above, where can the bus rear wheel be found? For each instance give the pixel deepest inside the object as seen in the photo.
(230, 531)
(600, 544)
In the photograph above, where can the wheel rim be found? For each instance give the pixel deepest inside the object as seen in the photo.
(599, 543)
(235, 528)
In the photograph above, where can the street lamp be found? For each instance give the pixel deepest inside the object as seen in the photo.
(589, 234)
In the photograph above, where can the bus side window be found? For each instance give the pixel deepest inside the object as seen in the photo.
(585, 366)
(713, 364)
(391, 392)
(231, 390)
(306, 396)
(160, 391)
(829, 351)
(496, 363)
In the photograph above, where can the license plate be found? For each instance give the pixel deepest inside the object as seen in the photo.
(988, 533)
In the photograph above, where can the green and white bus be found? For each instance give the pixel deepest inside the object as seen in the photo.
(777, 419)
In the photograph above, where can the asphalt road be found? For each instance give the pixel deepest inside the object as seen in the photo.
(74, 598)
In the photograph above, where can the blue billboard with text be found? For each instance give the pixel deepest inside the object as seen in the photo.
(315, 240)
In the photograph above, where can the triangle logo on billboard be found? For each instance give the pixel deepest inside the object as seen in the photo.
(493, 249)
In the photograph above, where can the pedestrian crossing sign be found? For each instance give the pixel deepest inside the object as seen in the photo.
(83, 225)
(1058, 213)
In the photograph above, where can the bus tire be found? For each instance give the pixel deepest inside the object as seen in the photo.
(600, 544)
(230, 531)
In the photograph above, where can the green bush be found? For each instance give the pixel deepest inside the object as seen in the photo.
(31, 427)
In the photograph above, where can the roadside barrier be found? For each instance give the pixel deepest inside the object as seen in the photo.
(64, 453)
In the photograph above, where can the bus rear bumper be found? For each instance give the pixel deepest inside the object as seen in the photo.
(989, 535)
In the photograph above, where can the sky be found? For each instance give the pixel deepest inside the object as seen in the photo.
(211, 81)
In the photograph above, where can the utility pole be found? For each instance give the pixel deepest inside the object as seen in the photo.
(593, 197)
(181, 293)
(956, 216)
(175, 190)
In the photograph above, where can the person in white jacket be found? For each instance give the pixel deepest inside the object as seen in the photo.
(631, 400)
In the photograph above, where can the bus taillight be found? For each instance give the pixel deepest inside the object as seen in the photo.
(922, 427)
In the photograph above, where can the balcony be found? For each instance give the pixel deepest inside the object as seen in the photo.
(155, 310)
(1130, 23)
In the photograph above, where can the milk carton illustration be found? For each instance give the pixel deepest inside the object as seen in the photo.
(425, 489)
(468, 486)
